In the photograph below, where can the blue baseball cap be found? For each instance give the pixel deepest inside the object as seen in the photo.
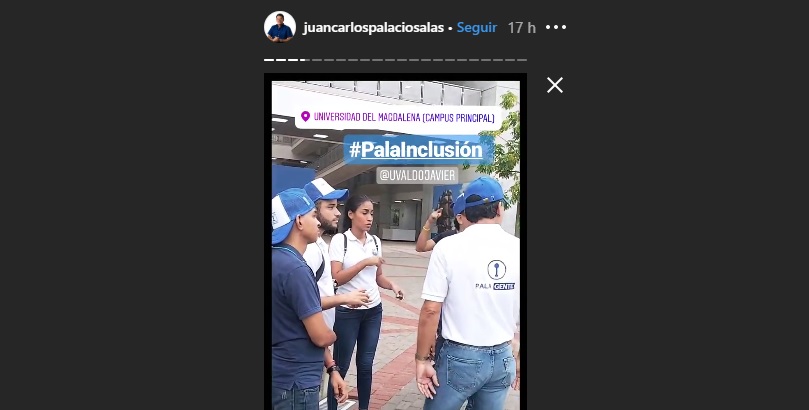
(459, 205)
(485, 187)
(320, 189)
(286, 206)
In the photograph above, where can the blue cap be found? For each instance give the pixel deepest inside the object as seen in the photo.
(286, 206)
(487, 188)
(459, 205)
(320, 189)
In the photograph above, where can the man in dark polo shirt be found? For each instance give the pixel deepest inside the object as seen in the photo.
(299, 331)
(279, 33)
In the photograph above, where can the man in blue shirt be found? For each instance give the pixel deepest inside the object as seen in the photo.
(279, 33)
(299, 331)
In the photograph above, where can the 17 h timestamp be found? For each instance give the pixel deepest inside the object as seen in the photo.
(526, 27)
(518, 27)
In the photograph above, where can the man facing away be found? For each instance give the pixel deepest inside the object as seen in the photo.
(299, 331)
(317, 257)
(425, 245)
(475, 278)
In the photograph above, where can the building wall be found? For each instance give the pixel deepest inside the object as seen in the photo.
(289, 177)
(285, 151)
(384, 195)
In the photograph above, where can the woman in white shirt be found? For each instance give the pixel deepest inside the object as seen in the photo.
(356, 263)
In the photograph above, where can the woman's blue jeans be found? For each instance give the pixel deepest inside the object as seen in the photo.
(360, 327)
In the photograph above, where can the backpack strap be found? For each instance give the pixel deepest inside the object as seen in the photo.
(345, 246)
(320, 270)
(375, 243)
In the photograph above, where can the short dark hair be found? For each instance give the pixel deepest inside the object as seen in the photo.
(482, 211)
(457, 225)
(279, 15)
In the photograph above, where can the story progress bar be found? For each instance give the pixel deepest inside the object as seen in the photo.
(393, 59)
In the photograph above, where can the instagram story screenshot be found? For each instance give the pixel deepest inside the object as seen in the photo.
(396, 240)
(475, 210)
(404, 206)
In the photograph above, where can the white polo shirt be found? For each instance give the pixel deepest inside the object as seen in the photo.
(476, 274)
(355, 252)
(316, 253)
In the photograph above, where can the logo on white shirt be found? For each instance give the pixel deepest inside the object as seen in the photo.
(496, 269)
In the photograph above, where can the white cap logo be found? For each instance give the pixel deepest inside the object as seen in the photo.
(279, 213)
(322, 186)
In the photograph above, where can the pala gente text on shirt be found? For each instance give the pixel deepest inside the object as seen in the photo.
(372, 28)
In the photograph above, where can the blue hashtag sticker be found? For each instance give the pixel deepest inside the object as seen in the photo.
(418, 150)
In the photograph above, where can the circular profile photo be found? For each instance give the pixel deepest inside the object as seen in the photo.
(279, 27)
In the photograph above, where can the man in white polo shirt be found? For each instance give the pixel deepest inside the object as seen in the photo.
(425, 245)
(317, 257)
(475, 278)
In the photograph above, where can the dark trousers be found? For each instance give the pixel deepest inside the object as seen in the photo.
(360, 328)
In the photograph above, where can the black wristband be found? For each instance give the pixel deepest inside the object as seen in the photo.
(333, 369)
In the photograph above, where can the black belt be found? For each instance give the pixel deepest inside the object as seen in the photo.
(478, 347)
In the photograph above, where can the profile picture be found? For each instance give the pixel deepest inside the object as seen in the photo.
(279, 27)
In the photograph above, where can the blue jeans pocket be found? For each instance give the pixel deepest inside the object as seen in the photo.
(311, 398)
(510, 369)
(462, 374)
(305, 399)
(280, 398)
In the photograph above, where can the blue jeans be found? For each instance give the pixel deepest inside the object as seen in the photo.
(481, 375)
(296, 399)
(360, 327)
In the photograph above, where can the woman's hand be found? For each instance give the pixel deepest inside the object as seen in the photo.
(397, 291)
(374, 261)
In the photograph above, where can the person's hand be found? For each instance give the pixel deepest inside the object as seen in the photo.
(435, 215)
(356, 298)
(426, 379)
(374, 261)
(339, 386)
(276, 40)
(516, 384)
(397, 291)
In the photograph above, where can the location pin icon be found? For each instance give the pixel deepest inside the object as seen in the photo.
(305, 116)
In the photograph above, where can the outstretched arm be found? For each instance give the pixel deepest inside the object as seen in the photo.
(424, 243)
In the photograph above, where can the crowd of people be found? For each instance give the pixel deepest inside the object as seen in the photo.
(326, 301)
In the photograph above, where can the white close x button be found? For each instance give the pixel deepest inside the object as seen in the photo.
(555, 84)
